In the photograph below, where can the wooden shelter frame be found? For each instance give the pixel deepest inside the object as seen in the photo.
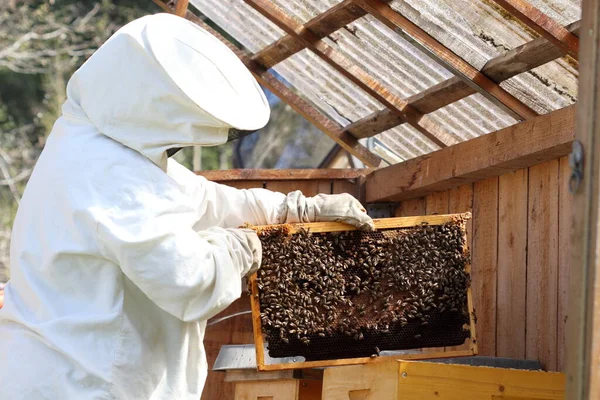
(412, 110)
(534, 140)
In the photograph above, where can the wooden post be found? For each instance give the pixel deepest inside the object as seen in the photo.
(583, 330)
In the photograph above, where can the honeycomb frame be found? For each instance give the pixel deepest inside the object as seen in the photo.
(469, 347)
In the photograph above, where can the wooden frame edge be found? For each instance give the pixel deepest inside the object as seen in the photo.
(256, 323)
(384, 223)
(366, 360)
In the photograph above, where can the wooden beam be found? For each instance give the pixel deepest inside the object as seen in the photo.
(331, 128)
(282, 174)
(351, 71)
(514, 62)
(321, 26)
(181, 7)
(543, 24)
(374, 123)
(526, 57)
(544, 138)
(583, 324)
(438, 52)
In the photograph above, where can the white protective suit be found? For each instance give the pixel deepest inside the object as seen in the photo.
(119, 255)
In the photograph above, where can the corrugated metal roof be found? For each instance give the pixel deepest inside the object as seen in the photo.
(475, 30)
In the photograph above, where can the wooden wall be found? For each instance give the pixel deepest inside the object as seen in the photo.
(520, 250)
(519, 240)
(238, 330)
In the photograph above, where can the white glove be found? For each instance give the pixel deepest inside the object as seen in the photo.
(249, 237)
(325, 208)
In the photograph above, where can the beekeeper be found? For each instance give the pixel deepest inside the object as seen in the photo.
(119, 255)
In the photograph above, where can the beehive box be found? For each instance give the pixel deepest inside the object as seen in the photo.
(334, 295)
(410, 380)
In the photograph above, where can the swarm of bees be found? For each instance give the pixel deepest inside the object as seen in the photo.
(363, 286)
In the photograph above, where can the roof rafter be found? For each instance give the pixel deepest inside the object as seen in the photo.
(181, 7)
(331, 128)
(322, 25)
(402, 110)
(514, 62)
(441, 54)
(543, 24)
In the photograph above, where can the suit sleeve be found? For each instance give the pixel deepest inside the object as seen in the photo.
(225, 206)
(191, 274)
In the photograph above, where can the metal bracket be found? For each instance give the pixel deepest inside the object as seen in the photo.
(576, 164)
(382, 210)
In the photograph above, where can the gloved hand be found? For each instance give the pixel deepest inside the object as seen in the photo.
(325, 208)
(250, 237)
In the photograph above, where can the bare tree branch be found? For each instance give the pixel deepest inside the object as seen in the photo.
(4, 164)
(21, 176)
(27, 44)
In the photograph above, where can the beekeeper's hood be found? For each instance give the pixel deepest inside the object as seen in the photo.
(161, 82)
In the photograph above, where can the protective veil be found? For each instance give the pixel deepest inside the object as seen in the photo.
(119, 255)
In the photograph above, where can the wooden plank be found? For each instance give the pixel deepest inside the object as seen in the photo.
(543, 24)
(253, 375)
(547, 137)
(372, 381)
(326, 186)
(298, 104)
(484, 262)
(367, 360)
(349, 70)
(583, 354)
(437, 203)
(514, 62)
(309, 389)
(385, 223)
(526, 57)
(411, 208)
(460, 200)
(458, 382)
(565, 231)
(512, 264)
(282, 174)
(243, 184)
(259, 344)
(438, 52)
(308, 188)
(321, 26)
(339, 186)
(542, 265)
(268, 390)
(372, 124)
